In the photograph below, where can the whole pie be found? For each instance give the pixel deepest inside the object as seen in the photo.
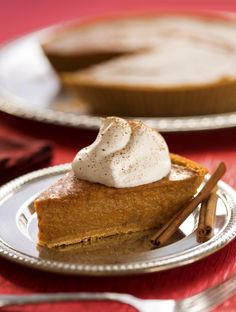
(74, 210)
(154, 65)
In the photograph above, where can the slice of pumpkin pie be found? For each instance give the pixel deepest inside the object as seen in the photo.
(126, 181)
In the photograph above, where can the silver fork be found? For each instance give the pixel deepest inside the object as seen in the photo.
(204, 301)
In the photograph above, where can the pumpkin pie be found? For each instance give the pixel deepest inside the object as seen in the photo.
(154, 65)
(74, 210)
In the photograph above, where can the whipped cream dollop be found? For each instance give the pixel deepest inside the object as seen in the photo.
(124, 154)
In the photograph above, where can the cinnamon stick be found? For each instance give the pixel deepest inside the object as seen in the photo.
(166, 226)
(207, 218)
(171, 227)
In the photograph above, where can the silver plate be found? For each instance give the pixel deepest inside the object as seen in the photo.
(115, 255)
(30, 89)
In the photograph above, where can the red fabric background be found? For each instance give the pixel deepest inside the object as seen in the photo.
(22, 16)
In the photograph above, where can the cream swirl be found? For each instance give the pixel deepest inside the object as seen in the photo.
(124, 154)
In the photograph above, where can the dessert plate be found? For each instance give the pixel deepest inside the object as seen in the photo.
(33, 92)
(115, 255)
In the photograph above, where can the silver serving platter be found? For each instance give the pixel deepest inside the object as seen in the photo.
(30, 89)
(114, 255)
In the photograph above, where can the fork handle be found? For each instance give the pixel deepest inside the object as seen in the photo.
(9, 300)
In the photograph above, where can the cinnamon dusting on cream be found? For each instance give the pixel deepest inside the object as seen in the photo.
(124, 154)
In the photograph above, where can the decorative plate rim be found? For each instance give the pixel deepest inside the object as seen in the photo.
(154, 265)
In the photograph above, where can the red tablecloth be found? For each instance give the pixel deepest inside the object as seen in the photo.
(208, 148)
